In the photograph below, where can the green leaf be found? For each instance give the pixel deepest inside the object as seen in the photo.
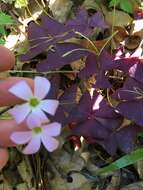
(2, 42)
(2, 30)
(126, 6)
(5, 19)
(123, 161)
(114, 3)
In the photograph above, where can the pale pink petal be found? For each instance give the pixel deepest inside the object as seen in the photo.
(52, 129)
(49, 106)
(50, 143)
(41, 87)
(20, 112)
(21, 137)
(33, 146)
(36, 118)
(21, 90)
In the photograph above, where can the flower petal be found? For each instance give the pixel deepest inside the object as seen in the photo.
(49, 106)
(52, 129)
(36, 118)
(41, 87)
(20, 112)
(21, 90)
(33, 146)
(21, 137)
(50, 143)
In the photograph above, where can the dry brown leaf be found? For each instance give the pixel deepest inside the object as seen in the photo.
(79, 182)
(115, 182)
(120, 18)
(132, 42)
(139, 167)
(134, 186)
(60, 9)
(121, 35)
(68, 162)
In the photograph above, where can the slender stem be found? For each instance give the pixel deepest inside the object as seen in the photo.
(48, 72)
(92, 44)
(110, 38)
(108, 98)
(78, 49)
(28, 10)
(41, 7)
(113, 22)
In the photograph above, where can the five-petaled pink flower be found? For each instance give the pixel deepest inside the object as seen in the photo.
(34, 107)
(34, 137)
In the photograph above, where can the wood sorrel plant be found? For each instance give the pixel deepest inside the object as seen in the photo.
(93, 115)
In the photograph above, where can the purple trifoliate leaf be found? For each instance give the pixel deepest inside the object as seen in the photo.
(132, 90)
(106, 61)
(102, 81)
(82, 110)
(63, 54)
(132, 110)
(52, 26)
(91, 66)
(68, 99)
(130, 100)
(123, 139)
(85, 24)
(80, 23)
(97, 20)
(91, 128)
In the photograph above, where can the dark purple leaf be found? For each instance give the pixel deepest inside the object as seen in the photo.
(68, 99)
(109, 144)
(123, 139)
(106, 61)
(52, 26)
(91, 66)
(106, 111)
(136, 71)
(126, 137)
(102, 81)
(131, 100)
(84, 24)
(80, 23)
(59, 117)
(88, 116)
(115, 122)
(55, 85)
(56, 59)
(36, 34)
(97, 20)
(91, 128)
(132, 66)
(132, 110)
(82, 110)
(95, 65)
(132, 90)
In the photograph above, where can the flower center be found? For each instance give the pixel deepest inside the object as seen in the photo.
(37, 130)
(34, 102)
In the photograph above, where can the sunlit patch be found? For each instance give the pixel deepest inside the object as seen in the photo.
(96, 105)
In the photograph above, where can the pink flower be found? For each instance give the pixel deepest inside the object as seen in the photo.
(34, 108)
(36, 135)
